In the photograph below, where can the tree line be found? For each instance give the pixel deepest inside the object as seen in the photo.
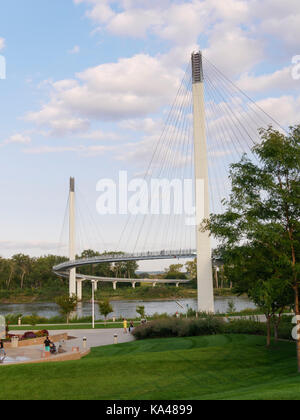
(24, 272)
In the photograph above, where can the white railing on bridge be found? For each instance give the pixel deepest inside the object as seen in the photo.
(123, 257)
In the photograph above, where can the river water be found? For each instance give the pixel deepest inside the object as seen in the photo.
(125, 308)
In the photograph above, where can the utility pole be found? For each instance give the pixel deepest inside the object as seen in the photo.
(204, 261)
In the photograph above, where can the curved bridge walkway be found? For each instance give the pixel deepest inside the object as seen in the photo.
(64, 268)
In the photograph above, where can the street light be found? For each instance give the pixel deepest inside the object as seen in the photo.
(93, 303)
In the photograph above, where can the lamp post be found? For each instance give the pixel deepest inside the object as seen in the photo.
(93, 303)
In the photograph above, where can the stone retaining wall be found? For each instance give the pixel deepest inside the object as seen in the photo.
(38, 341)
(58, 358)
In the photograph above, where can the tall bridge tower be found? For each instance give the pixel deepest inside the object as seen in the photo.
(204, 258)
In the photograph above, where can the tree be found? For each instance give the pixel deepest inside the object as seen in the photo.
(23, 264)
(105, 308)
(262, 218)
(191, 268)
(259, 273)
(175, 272)
(67, 305)
(141, 311)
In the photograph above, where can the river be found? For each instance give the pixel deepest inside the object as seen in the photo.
(125, 308)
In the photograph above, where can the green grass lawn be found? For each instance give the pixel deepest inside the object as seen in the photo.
(215, 367)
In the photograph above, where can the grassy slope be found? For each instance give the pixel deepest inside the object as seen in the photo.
(217, 367)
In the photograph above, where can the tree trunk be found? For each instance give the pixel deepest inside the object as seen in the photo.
(22, 279)
(276, 325)
(298, 324)
(217, 279)
(268, 330)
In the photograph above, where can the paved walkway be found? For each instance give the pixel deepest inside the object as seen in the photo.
(95, 338)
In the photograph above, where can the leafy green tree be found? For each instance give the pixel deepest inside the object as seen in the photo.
(141, 311)
(105, 308)
(191, 268)
(259, 273)
(23, 264)
(261, 224)
(67, 305)
(175, 272)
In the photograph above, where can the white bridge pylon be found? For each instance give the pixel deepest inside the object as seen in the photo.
(204, 251)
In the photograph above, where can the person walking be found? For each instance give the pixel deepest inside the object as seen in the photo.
(125, 326)
(131, 326)
(47, 344)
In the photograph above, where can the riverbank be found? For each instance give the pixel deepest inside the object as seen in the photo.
(123, 293)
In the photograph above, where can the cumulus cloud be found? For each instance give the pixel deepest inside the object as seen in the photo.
(18, 138)
(280, 80)
(132, 87)
(148, 125)
(285, 109)
(233, 51)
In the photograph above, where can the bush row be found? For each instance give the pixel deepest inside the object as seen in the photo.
(173, 327)
(170, 327)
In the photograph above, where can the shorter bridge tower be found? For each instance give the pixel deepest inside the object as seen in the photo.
(72, 237)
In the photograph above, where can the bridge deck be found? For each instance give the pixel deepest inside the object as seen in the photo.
(162, 255)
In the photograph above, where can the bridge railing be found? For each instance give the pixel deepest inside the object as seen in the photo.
(120, 257)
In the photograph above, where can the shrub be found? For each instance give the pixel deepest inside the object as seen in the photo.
(43, 333)
(172, 327)
(29, 335)
(245, 326)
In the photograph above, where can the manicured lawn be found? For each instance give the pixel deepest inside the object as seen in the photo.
(215, 367)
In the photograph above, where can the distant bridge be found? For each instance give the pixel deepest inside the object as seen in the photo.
(63, 270)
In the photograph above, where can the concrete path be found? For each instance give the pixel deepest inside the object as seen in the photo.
(95, 338)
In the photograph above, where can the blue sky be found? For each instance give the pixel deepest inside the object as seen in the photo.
(87, 78)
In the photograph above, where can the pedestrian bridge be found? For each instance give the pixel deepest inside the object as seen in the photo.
(112, 258)
(63, 270)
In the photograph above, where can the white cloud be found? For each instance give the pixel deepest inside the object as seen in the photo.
(279, 80)
(280, 19)
(99, 135)
(233, 50)
(180, 22)
(74, 50)
(285, 109)
(18, 138)
(2, 43)
(58, 119)
(146, 125)
(132, 87)
(286, 29)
